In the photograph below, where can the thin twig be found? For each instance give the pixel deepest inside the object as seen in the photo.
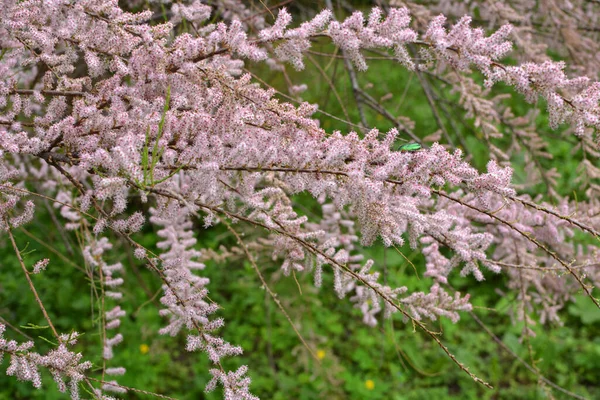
(30, 282)
(526, 236)
(353, 79)
(516, 357)
(268, 289)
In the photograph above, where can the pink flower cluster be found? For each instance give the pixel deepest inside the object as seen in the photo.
(61, 362)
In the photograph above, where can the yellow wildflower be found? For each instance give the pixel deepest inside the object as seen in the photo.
(144, 348)
(320, 354)
(369, 384)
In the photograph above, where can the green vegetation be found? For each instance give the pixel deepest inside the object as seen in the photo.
(356, 362)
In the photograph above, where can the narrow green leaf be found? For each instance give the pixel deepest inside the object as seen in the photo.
(170, 175)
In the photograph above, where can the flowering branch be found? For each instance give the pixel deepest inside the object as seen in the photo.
(530, 238)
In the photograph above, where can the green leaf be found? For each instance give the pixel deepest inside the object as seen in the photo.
(584, 308)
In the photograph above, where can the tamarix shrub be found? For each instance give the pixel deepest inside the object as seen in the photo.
(124, 116)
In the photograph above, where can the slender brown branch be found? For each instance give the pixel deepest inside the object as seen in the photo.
(314, 250)
(541, 269)
(30, 282)
(353, 79)
(14, 328)
(490, 214)
(432, 105)
(516, 357)
(526, 236)
(330, 84)
(525, 202)
(268, 289)
(290, 98)
(27, 124)
(374, 104)
(268, 10)
(579, 224)
(132, 389)
(65, 93)
(52, 249)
